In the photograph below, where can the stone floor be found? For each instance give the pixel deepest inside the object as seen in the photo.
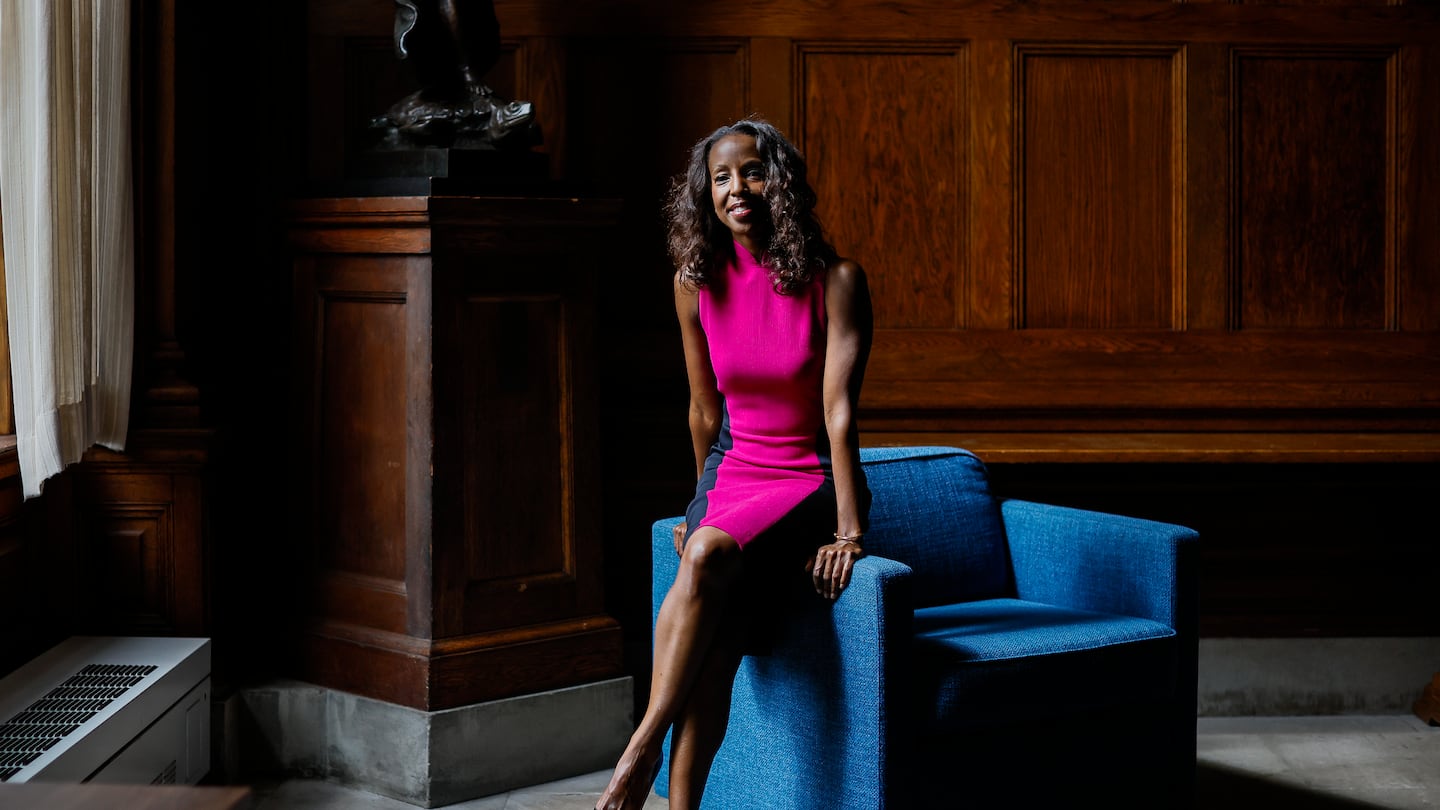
(1344, 762)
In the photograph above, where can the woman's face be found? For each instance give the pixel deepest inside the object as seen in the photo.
(737, 187)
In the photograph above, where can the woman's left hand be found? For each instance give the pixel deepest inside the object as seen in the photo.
(830, 568)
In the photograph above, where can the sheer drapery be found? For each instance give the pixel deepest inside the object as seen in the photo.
(67, 209)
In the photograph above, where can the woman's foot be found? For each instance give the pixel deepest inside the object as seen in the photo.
(631, 782)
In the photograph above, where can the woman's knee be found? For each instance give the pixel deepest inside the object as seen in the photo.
(711, 555)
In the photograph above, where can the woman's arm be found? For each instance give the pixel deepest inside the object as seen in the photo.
(847, 349)
(704, 395)
(705, 415)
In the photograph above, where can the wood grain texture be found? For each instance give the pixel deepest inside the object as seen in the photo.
(513, 357)
(1206, 201)
(1314, 149)
(447, 463)
(1097, 143)
(895, 198)
(1419, 173)
(980, 19)
(989, 300)
(361, 397)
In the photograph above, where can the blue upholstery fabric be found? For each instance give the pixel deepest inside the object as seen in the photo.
(956, 543)
(975, 662)
(973, 636)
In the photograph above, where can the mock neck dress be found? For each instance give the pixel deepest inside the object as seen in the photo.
(770, 466)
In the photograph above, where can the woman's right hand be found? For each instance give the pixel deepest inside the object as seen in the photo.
(680, 538)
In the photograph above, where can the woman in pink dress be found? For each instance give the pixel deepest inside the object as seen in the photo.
(776, 330)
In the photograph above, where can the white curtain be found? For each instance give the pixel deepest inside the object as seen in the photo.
(67, 210)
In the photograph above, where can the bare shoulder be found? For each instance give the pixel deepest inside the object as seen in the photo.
(686, 297)
(845, 277)
(684, 289)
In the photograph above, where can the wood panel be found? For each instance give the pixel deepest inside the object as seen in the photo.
(1419, 217)
(895, 199)
(1060, 20)
(516, 388)
(1315, 153)
(144, 555)
(358, 323)
(992, 227)
(360, 349)
(515, 401)
(1098, 146)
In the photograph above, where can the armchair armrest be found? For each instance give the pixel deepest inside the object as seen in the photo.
(1103, 562)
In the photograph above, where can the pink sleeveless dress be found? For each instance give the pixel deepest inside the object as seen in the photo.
(771, 462)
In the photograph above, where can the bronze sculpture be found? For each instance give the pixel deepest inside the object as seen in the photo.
(452, 45)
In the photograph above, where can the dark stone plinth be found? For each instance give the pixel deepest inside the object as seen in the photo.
(435, 171)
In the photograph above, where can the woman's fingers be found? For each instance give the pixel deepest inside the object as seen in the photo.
(831, 573)
(680, 538)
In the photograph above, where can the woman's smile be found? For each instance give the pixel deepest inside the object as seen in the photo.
(737, 187)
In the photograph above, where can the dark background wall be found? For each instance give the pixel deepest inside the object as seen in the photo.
(1176, 260)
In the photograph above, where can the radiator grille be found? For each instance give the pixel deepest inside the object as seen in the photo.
(167, 776)
(62, 710)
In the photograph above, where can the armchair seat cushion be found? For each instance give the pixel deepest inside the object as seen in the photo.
(1002, 660)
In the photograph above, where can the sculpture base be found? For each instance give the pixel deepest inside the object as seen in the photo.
(436, 171)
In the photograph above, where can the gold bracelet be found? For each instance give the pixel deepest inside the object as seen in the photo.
(849, 538)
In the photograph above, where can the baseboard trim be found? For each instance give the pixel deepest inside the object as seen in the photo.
(1319, 676)
(428, 759)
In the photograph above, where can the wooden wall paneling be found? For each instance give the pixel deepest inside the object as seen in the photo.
(895, 198)
(1418, 171)
(1099, 137)
(361, 366)
(1314, 148)
(1207, 175)
(1194, 377)
(360, 275)
(517, 561)
(989, 297)
(514, 398)
(144, 553)
(514, 329)
(131, 548)
(1073, 20)
(541, 66)
(772, 81)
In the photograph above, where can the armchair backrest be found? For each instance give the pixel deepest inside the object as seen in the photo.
(933, 510)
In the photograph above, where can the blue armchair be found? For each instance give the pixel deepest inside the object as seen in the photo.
(987, 653)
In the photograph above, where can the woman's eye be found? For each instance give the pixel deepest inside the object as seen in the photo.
(755, 174)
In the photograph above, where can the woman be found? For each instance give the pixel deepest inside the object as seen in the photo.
(776, 330)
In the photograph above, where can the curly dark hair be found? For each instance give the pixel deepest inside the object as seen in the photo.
(699, 244)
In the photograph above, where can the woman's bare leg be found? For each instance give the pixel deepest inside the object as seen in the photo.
(684, 630)
(700, 728)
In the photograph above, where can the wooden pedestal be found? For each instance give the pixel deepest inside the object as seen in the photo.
(446, 446)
